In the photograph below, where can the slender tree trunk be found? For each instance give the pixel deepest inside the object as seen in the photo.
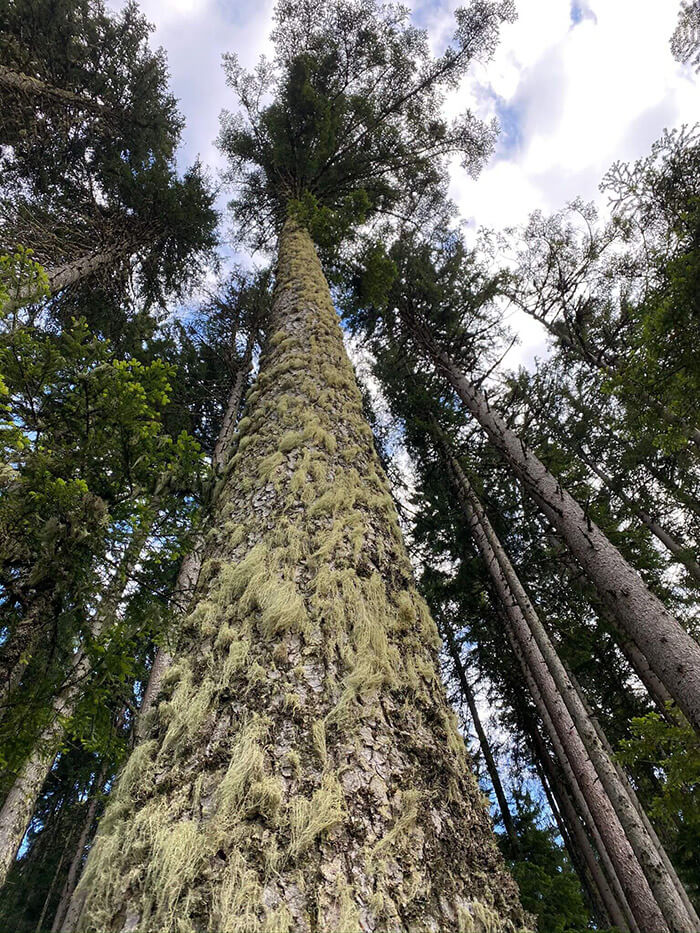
(658, 694)
(612, 913)
(315, 778)
(632, 794)
(468, 694)
(49, 894)
(680, 552)
(69, 273)
(183, 592)
(672, 653)
(188, 576)
(580, 776)
(605, 907)
(224, 441)
(20, 802)
(76, 861)
(664, 883)
(636, 887)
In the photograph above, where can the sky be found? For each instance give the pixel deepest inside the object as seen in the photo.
(574, 84)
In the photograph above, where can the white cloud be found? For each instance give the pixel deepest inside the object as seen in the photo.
(577, 86)
(581, 92)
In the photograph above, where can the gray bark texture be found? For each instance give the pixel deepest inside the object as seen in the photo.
(303, 770)
(663, 880)
(607, 909)
(671, 652)
(627, 867)
(665, 885)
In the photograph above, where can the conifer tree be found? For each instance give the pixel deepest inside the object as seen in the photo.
(303, 768)
(92, 189)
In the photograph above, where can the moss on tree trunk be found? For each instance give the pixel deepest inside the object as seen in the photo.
(303, 770)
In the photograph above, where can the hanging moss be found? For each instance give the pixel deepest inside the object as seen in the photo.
(309, 819)
(303, 750)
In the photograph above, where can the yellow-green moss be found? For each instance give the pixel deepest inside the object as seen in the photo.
(309, 819)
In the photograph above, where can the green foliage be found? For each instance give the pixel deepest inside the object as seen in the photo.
(95, 173)
(354, 127)
(548, 885)
(672, 750)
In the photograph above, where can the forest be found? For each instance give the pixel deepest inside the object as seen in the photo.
(320, 610)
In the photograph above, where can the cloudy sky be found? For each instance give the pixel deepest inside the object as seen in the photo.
(576, 85)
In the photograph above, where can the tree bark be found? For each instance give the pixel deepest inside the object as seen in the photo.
(468, 694)
(304, 770)
(605, 906)
(672, 653)
(581, 778)
(67, 274)
(636, 887)
(661, 877)
(183, 592)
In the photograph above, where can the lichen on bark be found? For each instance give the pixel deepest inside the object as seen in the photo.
(303, 770)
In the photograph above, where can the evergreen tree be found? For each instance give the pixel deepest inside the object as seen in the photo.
(315, 775)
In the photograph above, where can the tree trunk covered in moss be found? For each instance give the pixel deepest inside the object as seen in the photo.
(303, 770)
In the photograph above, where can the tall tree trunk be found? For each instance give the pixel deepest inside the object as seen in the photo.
(636, 887)
(18, 807)
(606, 909)
(672, 653)
(615, 852)
(468, 694)
(681, 553)
(658, 694)
(181, 598)
(76, 861)
(188, 576)
(662, 879)
(632, 794)
(69, 273)
(222, 448)
(305, 771)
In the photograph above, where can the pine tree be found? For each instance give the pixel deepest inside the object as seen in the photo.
(314, 772)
